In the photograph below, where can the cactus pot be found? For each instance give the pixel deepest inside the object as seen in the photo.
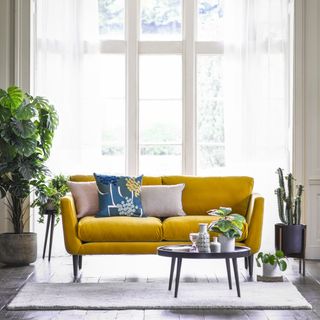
(18, 249)
(291, 239)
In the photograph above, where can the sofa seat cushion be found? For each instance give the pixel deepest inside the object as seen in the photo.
(179, 228)
(133, 229)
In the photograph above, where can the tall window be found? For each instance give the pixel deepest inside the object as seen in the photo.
(165, 86)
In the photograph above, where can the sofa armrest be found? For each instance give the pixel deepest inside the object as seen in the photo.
(255, 222)
(70, 224)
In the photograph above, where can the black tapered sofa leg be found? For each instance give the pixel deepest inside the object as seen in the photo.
(75, 260)
(80, 262)
(250, 263)
(246, 262)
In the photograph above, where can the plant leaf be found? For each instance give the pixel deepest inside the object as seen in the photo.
(5, 114)
(24, 129)
(238, 224)
(26, 169)
(272, 259)
(25, 112)
(237, 217)
(265, 258)
(217, 213)
(26, 147)
(282, 265)
(226, 210)
(258, 263)
(279, 254)
(16, 96)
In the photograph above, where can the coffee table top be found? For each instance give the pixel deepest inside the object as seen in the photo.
(183, 251)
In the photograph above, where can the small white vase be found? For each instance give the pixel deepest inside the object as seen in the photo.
(227, 244)
(203, 242)
(269, 270)
(215, 246)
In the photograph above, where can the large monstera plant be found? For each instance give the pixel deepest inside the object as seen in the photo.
(27, 126)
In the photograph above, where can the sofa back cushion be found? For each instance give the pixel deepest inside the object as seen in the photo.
(204, 193)
(85, 194)
(82, 178)
(162, 201)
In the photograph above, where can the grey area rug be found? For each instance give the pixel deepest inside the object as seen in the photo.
(155, 295)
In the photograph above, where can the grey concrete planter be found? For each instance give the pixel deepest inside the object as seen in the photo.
(18, 249)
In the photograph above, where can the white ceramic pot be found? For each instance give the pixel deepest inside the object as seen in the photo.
(269, 270)
(227, 244)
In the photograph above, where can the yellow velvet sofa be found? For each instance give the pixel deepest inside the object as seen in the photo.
(131, 235)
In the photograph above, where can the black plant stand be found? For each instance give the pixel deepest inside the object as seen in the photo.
(50, 225)
(291, 239)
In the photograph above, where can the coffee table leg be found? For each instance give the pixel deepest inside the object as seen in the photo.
(229, 273)
(177, 277)
(173, 263)
(236, 276)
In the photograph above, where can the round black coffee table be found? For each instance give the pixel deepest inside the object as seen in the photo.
(184, 252)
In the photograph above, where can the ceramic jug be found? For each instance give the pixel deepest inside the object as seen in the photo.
(203, 242)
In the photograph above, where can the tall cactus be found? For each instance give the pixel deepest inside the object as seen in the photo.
(289, 206)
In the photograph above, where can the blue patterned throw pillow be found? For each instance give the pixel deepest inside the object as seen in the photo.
(119, 196)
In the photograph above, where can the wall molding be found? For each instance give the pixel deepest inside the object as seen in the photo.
(22, 44)
(306, 128)
(314, 181)
(15, 69)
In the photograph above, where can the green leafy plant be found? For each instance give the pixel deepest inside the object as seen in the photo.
(27, 126)
(48, 194)
(289, 206)
(273, 259)
(229, 224)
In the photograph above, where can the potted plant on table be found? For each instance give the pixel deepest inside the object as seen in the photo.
(290, 233)
(229, 226)
(271, 263)
(27, 128)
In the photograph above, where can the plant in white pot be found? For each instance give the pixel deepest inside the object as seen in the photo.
(229, 227)
(271, 263)
(27, 126)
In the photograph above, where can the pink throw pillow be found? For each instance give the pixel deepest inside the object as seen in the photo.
(85, 196)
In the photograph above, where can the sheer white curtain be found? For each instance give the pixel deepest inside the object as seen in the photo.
(256, 90)
(66, 50)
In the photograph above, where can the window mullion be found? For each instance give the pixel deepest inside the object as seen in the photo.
(132, 67)
(189, 75)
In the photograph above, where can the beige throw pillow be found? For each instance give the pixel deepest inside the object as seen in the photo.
(162, 200)
(85, 196)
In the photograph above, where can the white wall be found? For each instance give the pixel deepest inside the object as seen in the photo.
(14, 57)
(308, 117)
(6, 71)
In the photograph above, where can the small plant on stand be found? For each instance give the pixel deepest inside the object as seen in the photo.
(48, 194)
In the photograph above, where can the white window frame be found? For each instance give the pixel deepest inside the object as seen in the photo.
(188, 48)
